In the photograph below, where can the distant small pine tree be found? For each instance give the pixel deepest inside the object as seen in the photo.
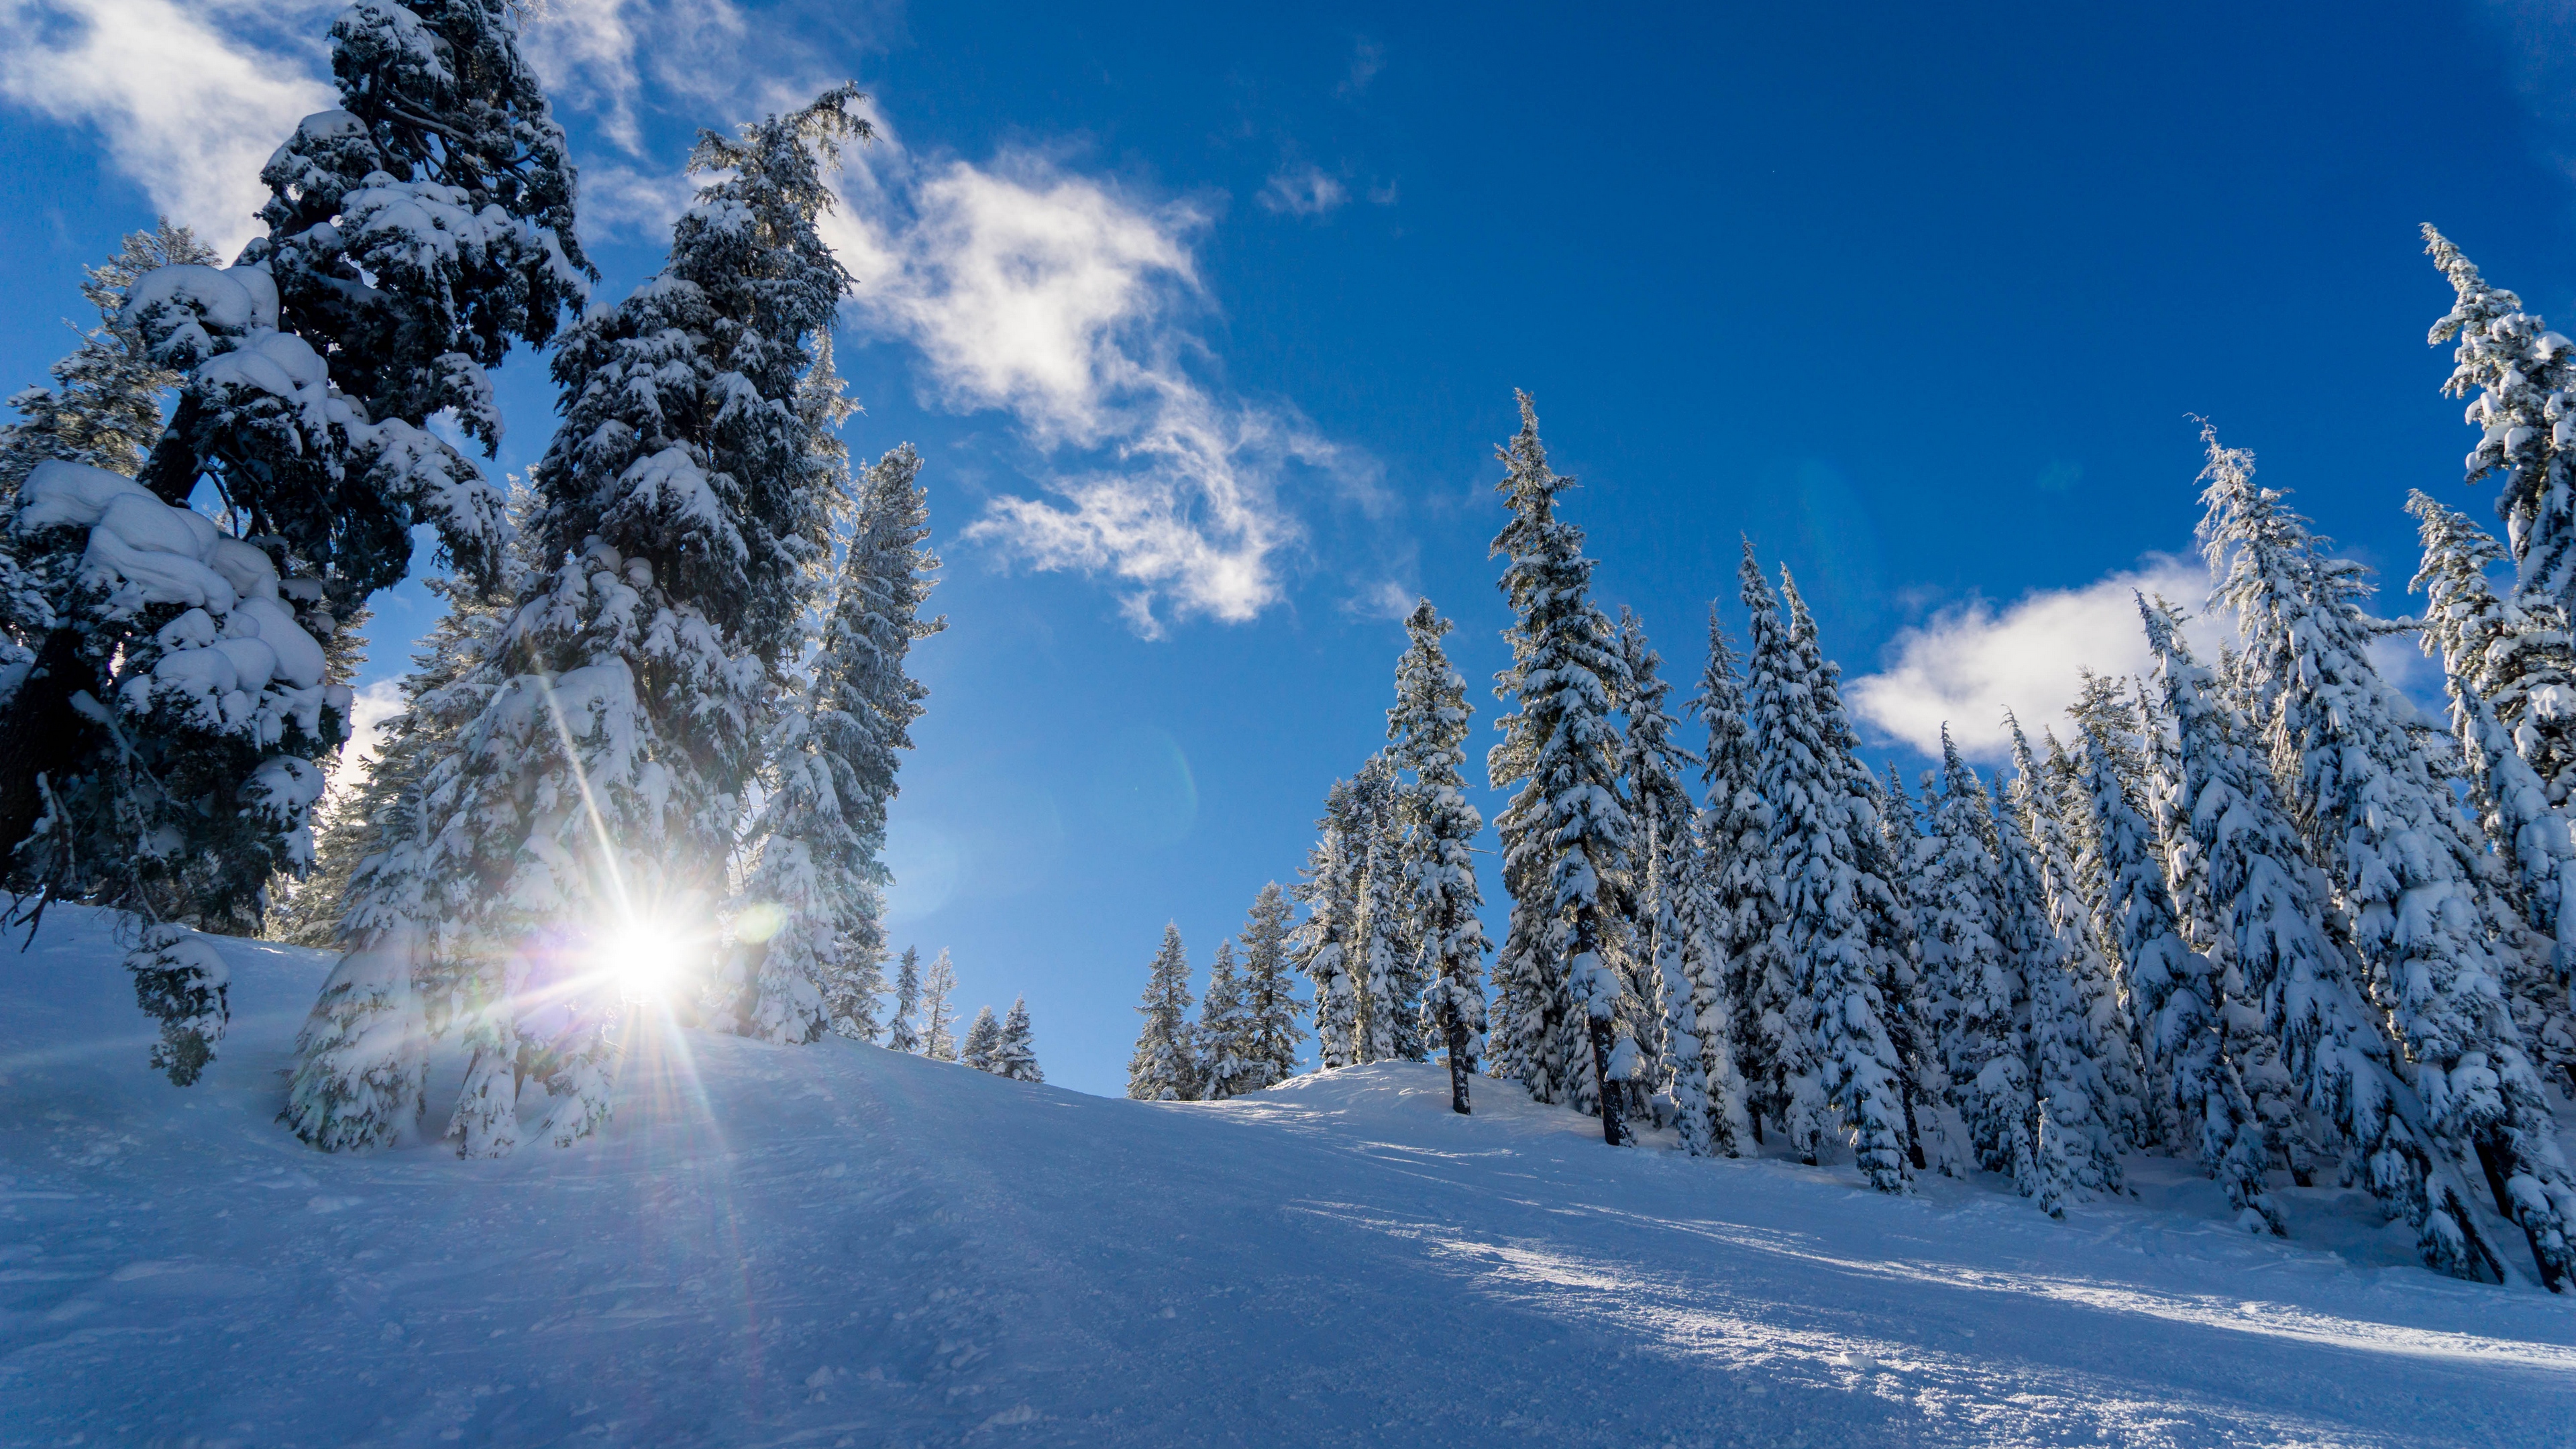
(983, 1040)
(1161, 1069)
(901, 1034)
(1016, 1056)
(1271, 1010)
(938, 1018)
(1217, 1045)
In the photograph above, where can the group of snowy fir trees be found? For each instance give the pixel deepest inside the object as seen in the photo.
(2255, 912)
(668, 698)
(1248, 1027)
(924, 1022)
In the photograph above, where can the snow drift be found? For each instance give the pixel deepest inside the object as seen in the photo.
(836, 1244)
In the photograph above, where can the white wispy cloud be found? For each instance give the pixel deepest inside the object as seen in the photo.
(1966, 665)
(1367, 59)
(1385, 599)
(603, 58)
(1302, 190)
(189, 100)
(1048, 295)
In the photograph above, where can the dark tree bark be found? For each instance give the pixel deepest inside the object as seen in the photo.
(1457, 1064)
(1614, 1124)
(41, 738)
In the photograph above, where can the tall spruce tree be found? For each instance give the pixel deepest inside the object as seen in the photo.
(2272, 905)
(833, 754)
(1652, 763)
(601, 789)
(412, 237)
(361, 1060)
(1839, 922)
(1217, 1045)
(2061, 1127)
(2491, 654)
(1161, 1069)
(1427, 738)
(2087, 1086)
(2403, 868)
(2173, 989)
(1972, 1003)
(1389, 1025)
(1271, 1009)
(1328, 939)
(1742, 899)
(1566, 840)
(2524, 378)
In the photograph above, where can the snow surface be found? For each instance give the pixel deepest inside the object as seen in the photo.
(838, 1245)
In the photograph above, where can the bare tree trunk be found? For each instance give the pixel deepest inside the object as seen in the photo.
(1457, 1063)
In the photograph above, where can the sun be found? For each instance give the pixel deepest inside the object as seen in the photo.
(644, 958)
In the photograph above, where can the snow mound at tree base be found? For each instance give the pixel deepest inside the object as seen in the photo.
(835, 1244)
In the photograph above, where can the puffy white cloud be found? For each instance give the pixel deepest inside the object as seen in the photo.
(1047, 295)
(1027, 289)
(190, 99)
(1305, 190)
(1966, 665)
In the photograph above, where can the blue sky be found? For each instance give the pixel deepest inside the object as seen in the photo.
(1206, 320)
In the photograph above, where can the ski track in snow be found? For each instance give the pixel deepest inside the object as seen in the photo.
(837, 1245)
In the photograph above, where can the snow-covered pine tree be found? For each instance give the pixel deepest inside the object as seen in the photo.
(2401, 862)
(901, 1035)
(803, 953)
(2524, 379)
(2108, 754)
(1216, 1045)
(1327, 941)
(104, 408)
(1839, 924)
(1972, 1004)
(2066, 854)
(601, 789)
(1389, 1028)
(2491, 654)
(2245, 1031)
(1016, 1056)
(983, 1040)
(1740, 890)
(413, 236)
(2069, 1142)
(360, 1063)
(833, 758)
(1427, 738)
(2090, 1099)
(1651, 765)
(2273, 905)
(2173, 989)
(1161, 1070)
(1565, 833)
(938, 1018)
(1271, 1009)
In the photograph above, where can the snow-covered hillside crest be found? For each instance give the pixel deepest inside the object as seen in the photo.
(835, 1244)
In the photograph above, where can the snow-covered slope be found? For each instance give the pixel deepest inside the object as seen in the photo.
(838, 1245)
